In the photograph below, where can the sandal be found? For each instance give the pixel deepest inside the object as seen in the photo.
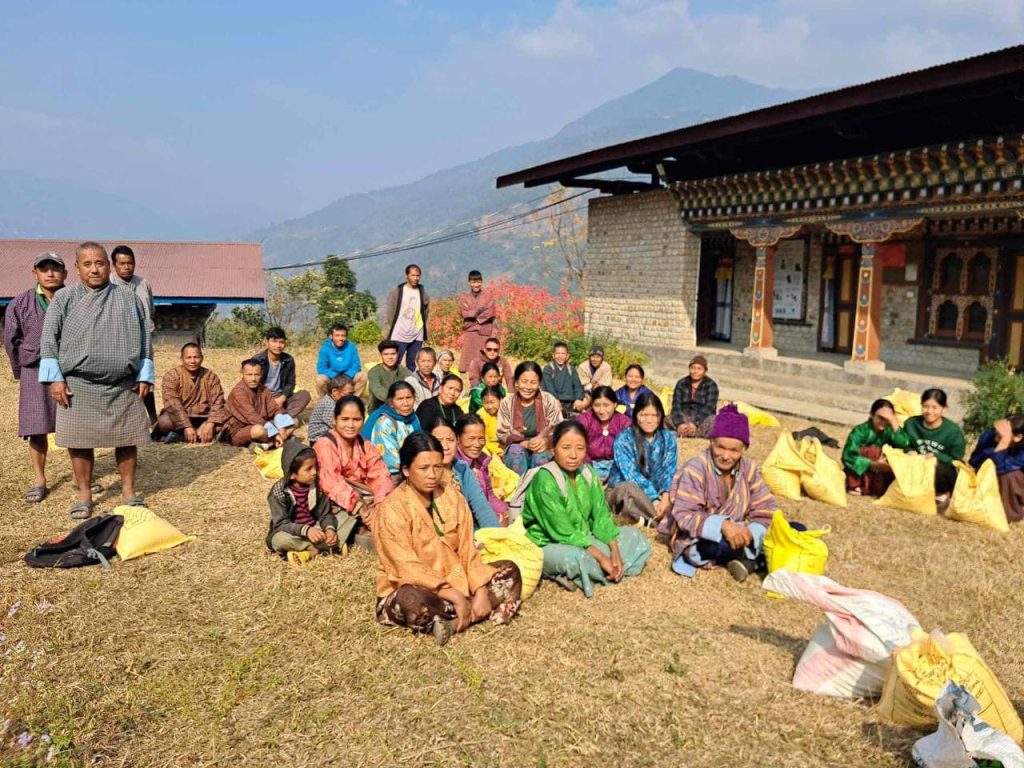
(35, 494)
(94, 489)
(81, 510)
(133, 501)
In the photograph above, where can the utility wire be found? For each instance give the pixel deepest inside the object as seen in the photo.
(410, 244)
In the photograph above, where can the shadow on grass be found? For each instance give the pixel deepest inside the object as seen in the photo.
(793, 645)
(897, 740)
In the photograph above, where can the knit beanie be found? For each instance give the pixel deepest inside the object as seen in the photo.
(701, 361)
(729, 422)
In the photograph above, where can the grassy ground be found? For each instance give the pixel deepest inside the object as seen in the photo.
(216, 653)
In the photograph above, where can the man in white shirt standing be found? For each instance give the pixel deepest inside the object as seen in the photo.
(406, 307)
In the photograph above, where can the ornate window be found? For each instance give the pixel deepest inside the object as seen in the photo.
(957, 301)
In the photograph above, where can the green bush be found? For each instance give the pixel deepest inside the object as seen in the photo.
(530, 342)
(365, 333)
(998, 390)
(225, 332)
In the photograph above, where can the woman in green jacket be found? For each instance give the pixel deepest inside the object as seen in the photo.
(565, 513)
(931, 434)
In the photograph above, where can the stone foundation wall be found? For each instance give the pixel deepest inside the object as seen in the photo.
(642, 267)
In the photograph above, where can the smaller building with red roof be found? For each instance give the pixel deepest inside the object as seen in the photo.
(189, 279)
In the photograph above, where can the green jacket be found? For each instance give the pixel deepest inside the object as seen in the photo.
(554, 517)
(945, 441)
(864, 435)
(378, 380)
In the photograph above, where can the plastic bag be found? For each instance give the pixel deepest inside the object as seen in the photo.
(914, 486)
(976, 497)
(513, 544)
(919, 673)
(962, 737)
(504, 481)
(848, 654)
(269, 463)
(784, 466)
(905, 404)
(143, 533)
(787, 549)
(827, 481)
(757, 417)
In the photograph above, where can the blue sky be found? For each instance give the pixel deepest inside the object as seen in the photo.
(233, 115)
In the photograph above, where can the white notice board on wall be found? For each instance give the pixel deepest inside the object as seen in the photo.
(790, 271)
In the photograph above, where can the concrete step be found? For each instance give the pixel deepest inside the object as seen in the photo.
(810, 412)
(811, 390)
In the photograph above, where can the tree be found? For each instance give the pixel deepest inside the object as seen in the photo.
(339, 301)
(292, 302)
(568, 229)
(251, 316)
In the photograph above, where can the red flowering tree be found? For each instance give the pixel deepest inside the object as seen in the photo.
(530, 319)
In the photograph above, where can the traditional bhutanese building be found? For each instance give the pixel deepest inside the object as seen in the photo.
(188, 279)
(883, 222)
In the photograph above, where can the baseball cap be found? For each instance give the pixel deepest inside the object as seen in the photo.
(42, 258)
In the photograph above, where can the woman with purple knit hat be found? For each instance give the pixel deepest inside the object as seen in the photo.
(721, 507)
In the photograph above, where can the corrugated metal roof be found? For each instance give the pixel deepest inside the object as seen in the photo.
(228, 271)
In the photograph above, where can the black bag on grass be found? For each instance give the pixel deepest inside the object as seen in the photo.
(90, 543)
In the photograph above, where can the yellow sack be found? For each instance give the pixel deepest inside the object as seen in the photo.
(827, 482)
(784, 466)
(756, 416)
(143, 533)
(919, 671)
(513, 544)
(787, 549)
(269, 463)
(503, 480)
(914, 486)
(976, 497)
(905, 404)
(51, 441)
(666, 398)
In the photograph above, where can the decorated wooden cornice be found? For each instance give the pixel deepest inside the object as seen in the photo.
(987, 174)
(872, 230)
(765, 237)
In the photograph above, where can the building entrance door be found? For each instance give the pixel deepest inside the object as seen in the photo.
(838, 297)
(715, 288)
(1010, 340)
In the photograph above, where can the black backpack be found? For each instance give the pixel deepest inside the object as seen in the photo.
(90, 543)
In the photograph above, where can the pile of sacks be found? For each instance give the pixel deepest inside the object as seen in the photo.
(792, 470)
(871, 646)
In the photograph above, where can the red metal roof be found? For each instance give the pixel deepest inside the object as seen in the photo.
(223, 271)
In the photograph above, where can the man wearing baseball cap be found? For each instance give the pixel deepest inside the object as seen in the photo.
(23, 327)
(594, 371)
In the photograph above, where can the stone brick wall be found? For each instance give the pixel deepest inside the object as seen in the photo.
(642, 269)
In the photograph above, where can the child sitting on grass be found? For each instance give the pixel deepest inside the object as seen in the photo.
(867, 471)
(490, 401)
(301, 523)
(490, 376)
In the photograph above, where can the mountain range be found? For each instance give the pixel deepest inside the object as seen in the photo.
(466, 192)
(454, 198)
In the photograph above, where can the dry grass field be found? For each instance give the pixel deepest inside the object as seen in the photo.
(217, 654)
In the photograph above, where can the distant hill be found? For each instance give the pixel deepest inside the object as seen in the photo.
(466, 192)
(31, 206)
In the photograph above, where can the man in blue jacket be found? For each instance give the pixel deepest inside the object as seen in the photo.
(337, 356)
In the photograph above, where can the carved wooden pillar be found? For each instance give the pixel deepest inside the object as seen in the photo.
(761, 339)
(866, 339)
(764, 240)
(866, 354)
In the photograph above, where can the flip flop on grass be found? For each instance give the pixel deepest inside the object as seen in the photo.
(81, 510)
(134, 501)
(35, 494)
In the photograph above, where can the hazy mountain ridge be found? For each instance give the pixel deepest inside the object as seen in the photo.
(466, 192)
